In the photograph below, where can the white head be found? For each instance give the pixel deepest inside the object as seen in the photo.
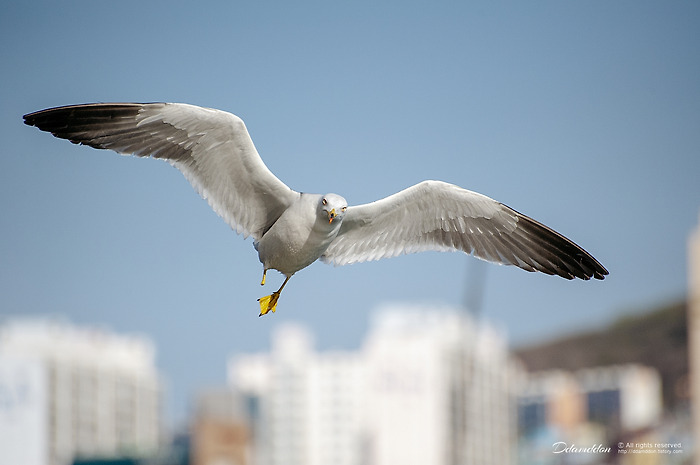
(332, 207)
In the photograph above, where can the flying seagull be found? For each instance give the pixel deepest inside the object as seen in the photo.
(291, 229)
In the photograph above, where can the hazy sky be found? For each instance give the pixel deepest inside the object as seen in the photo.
(583, 115)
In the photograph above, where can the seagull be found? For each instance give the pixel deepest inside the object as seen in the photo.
(291, 230)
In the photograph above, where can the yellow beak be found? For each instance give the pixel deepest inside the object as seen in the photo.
(331, 216)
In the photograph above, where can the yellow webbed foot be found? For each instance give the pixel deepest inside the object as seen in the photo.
(268, 303)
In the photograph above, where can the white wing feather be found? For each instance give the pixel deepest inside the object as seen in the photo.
(435, 215)
(212, 148)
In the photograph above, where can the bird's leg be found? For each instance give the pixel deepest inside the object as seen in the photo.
(269, 302)
(262, 283)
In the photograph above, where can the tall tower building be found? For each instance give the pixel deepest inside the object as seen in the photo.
(439, 390)
(694, 331)
(68, 391)
(304, 404)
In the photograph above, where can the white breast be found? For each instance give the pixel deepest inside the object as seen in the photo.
(298, 238)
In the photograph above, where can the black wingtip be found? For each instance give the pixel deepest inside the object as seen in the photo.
(601, 274)
(29, 119)
(570, 261)
(81, 110)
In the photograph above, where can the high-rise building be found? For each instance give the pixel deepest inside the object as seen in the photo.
(428, 387)
(303, 404)
(439, 390)
(68, 391)
(694, 331)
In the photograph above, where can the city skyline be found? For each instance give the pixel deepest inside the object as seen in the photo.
(583, 116)
(293, 400)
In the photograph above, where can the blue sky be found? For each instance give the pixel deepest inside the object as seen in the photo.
(583, 115)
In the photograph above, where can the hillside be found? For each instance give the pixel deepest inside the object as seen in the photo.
(657, 338)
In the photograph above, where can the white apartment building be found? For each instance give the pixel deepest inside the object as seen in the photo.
(427, 387)
(440, 389)
(305, 404)
(68, 391)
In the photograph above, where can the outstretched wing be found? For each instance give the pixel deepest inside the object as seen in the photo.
(434, 215)
(212, 148)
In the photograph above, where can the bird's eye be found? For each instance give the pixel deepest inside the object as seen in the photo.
(344, 208)
(324, 201)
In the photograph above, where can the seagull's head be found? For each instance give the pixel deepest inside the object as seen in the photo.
(332, 207)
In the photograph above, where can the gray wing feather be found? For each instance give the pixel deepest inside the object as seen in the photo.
(434, 215)
(212, 148)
